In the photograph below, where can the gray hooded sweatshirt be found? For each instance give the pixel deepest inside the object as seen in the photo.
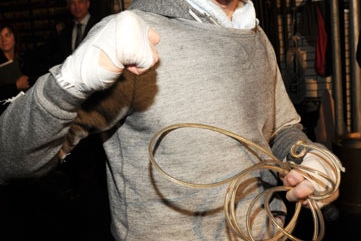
(207, 74)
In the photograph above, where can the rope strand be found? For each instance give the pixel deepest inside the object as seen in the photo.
(271, 164)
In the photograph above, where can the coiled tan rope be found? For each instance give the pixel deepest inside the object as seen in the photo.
(272, 164)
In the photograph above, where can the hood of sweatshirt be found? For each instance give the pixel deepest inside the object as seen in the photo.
(200, 10)
(169, 8)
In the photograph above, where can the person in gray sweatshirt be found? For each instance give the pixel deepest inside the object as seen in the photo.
(204, 67)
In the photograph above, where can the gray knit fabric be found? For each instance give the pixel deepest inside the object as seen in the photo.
(207, 74)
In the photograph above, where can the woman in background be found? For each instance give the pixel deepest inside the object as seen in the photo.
(10, 52)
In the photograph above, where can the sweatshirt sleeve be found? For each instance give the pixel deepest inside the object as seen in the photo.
(32, 129)
(289, 129)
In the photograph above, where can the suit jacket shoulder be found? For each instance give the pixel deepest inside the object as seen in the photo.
(92, 21)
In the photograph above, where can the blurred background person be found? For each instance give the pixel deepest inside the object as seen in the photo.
(10, 52)
(69, 33)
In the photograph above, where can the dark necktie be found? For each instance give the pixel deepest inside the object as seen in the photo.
(79, 34)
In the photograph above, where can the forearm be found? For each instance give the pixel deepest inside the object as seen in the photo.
(286, 138)
(34, 126)
(32, 130)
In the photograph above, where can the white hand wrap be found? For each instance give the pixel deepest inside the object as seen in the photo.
(314, 160)
(122, 37)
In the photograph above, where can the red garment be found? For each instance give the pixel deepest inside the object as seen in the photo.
(321, 44)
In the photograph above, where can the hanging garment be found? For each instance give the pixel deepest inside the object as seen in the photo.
(323, 51)
(307, 26)
(294, 74)
(321, 44)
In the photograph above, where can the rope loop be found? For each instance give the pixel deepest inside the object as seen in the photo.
(298, 150)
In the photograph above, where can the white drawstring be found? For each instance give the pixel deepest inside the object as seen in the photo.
(9, 100)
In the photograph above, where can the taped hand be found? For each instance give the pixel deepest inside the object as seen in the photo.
(117, 42)
(306, 183)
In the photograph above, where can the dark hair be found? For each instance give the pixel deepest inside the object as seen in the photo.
(13, 30)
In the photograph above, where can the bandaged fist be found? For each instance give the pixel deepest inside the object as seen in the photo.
(117, 42)
(312, 182)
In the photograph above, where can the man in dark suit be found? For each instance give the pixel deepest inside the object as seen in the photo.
(59, 46)
(66, 41)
